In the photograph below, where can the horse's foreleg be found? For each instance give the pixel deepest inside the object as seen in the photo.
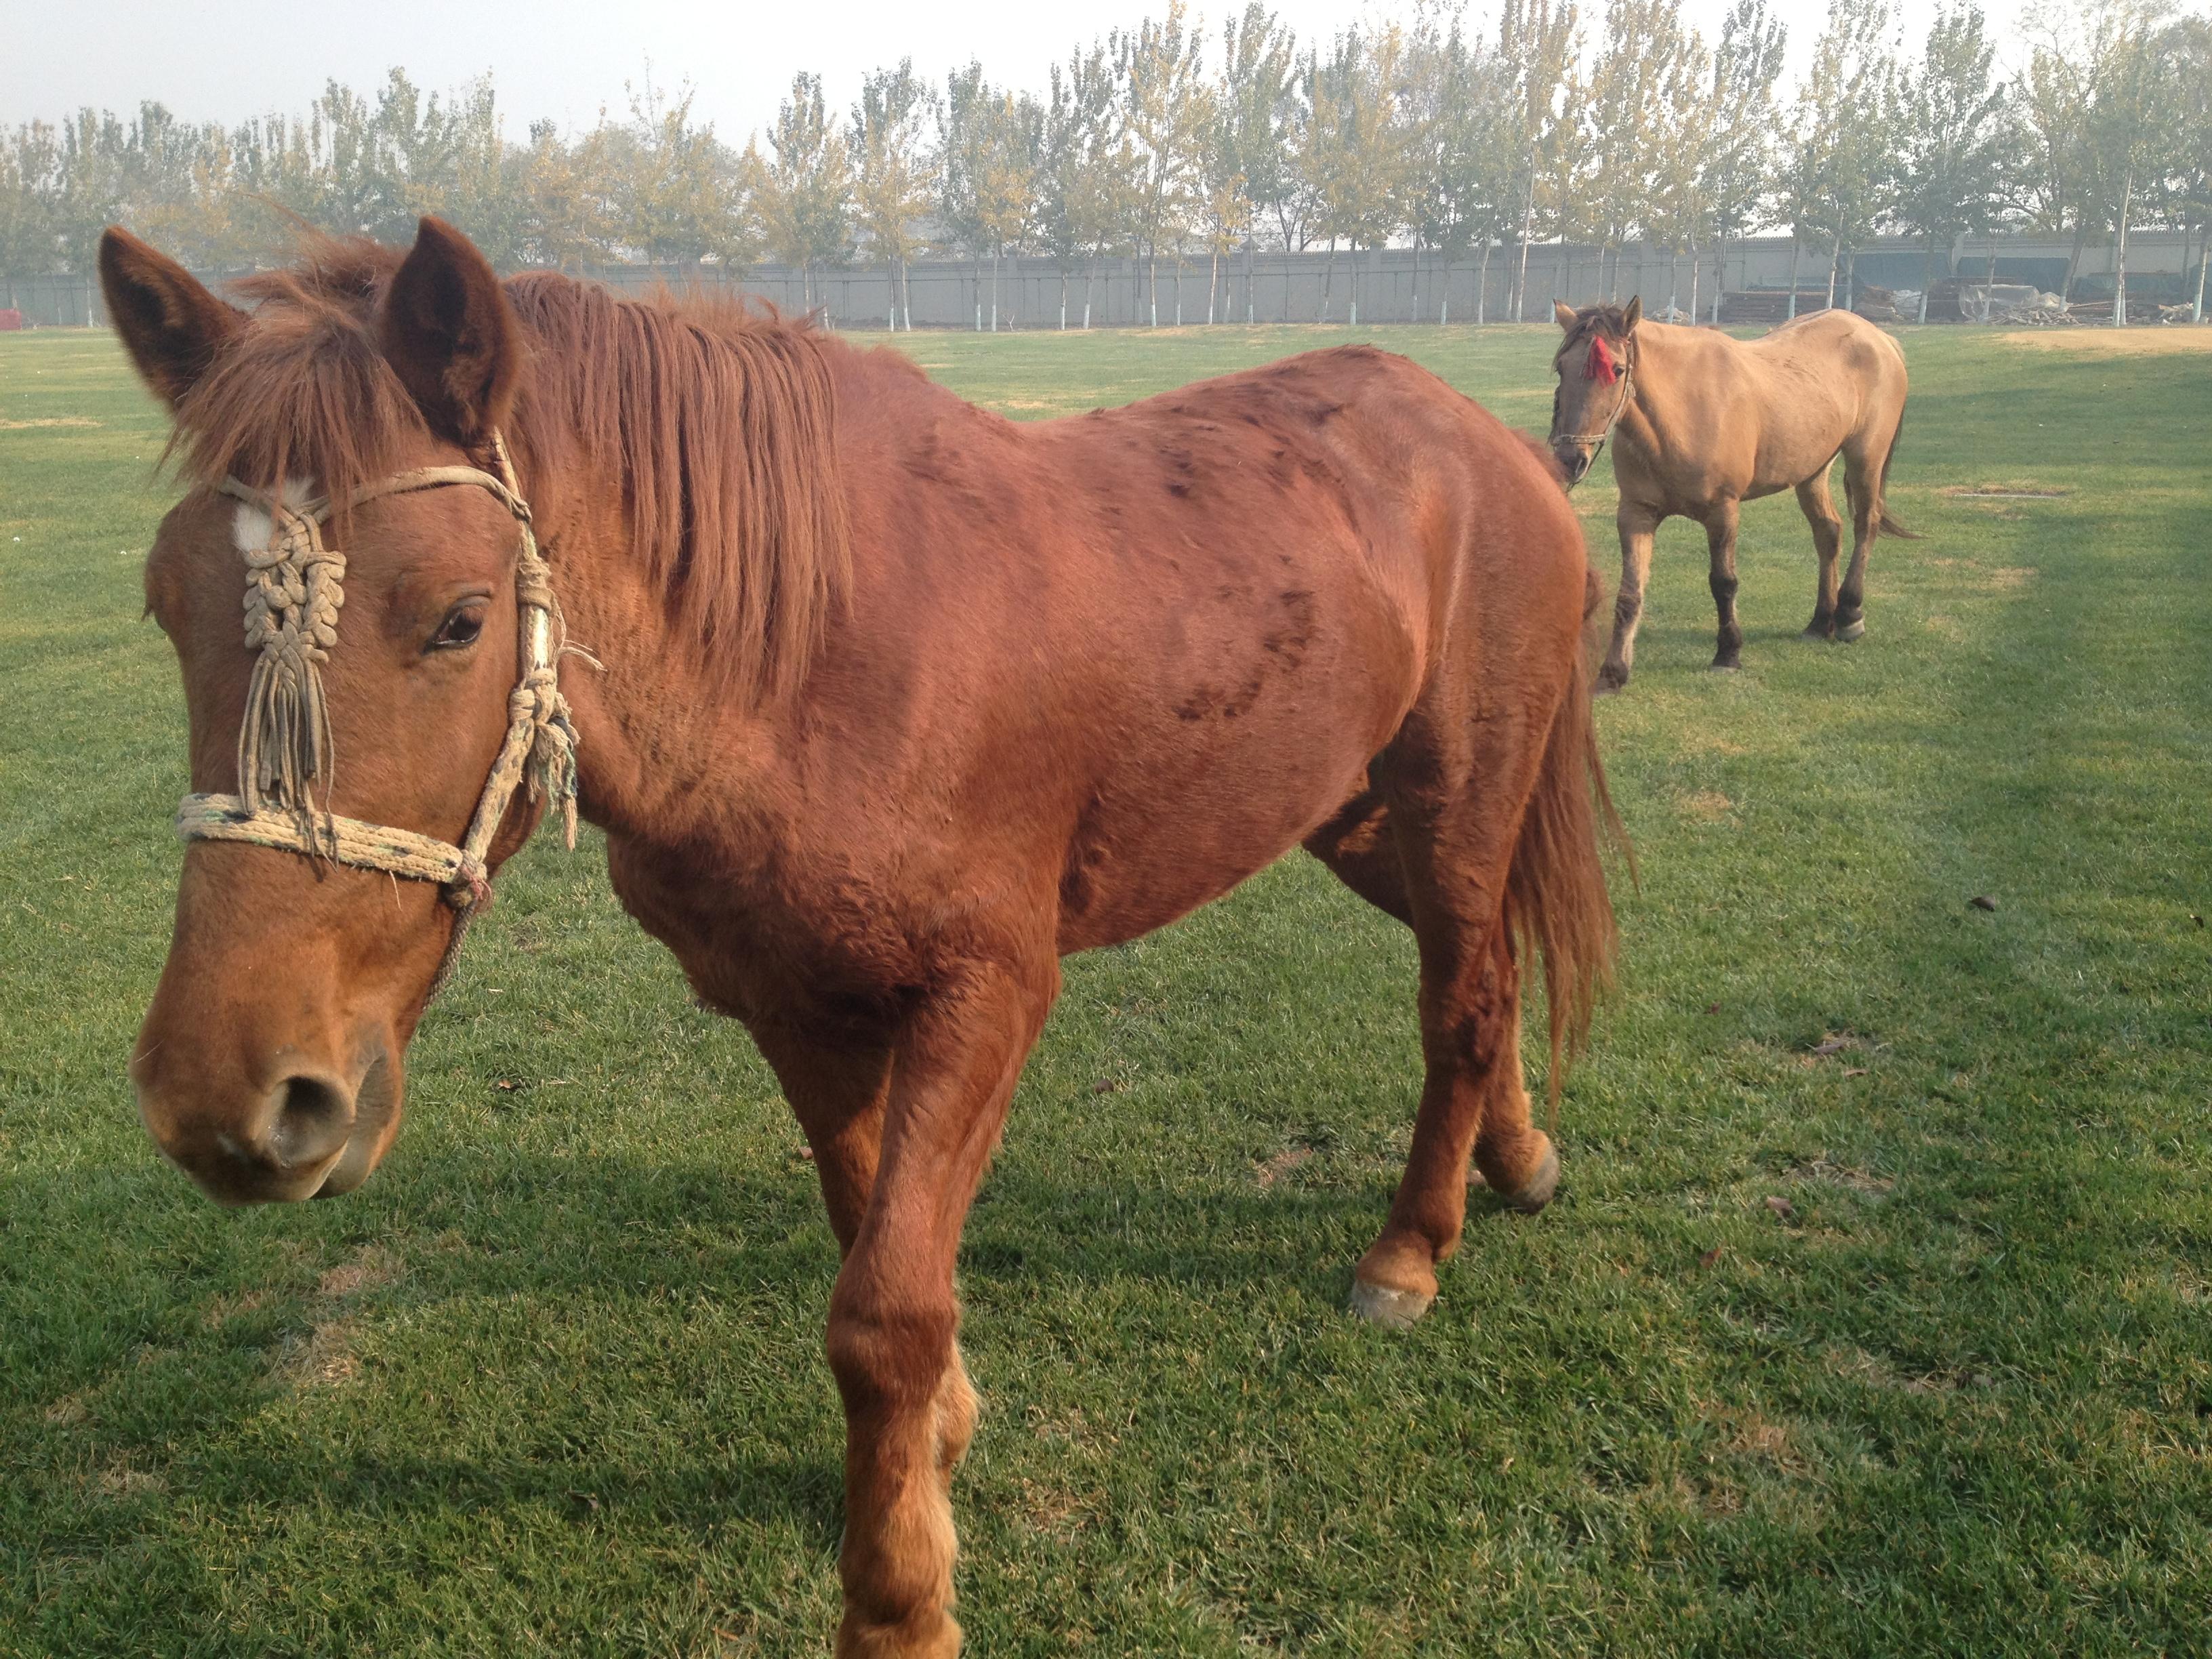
(1820, 508)
(837, 1089)
(908, 1409)
(1720, 537)
(1637, 528)
(1866, 522)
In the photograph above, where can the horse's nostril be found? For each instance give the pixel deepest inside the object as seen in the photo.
(313, 1122)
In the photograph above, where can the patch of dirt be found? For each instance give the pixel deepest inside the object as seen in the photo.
(325, 1359)
(1049, 1509)
(2008, 578)
(2005, 492)
(224, 1309)
(53, 421)
(67, 1411)
(372, 1265)
(1705, 805)
(1282, 1163)
(1822, 1169)
(2141, 340)
(120, 1480)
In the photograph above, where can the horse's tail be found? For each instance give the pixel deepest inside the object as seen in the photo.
(1888, 525)
(1555, 896)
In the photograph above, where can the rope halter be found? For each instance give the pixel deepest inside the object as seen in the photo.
(294, 590)
(1600, 366)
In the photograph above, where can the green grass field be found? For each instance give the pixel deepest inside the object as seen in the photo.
(1898, 1347)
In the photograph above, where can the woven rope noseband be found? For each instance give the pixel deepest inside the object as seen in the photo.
(294, 591)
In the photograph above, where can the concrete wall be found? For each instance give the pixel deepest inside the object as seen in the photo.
(1394, 285)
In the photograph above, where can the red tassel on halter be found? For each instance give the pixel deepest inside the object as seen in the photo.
(1600, 368)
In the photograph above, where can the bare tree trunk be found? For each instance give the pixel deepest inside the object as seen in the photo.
(1835, 261)
(2120, 252)
(1482, 285)
(1063, 299)
(1329, 279)
(2196, 311)
(1694, 268)
(1352, 257)
(2073, 259)
(1793, 276)
(1152, 268)
(1527, 224)
(1989, 276)
(1213, 285)
(1248, 282)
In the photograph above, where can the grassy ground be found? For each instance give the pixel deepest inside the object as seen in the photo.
(1898, 1347)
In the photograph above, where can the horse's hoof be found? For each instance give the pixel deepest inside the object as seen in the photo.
(1850, 630)
(1397, 1310)
(926, 1636)
(1537, 1191)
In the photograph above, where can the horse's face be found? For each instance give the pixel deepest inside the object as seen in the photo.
(270, 1063)
(1593, 390)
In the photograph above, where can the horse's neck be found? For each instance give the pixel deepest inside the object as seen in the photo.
(654, 729)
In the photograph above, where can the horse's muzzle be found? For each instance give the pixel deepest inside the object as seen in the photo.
(311, 1135)
(1574, 461)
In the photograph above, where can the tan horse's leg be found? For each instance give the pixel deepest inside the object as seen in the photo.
(908, 1410)
(1720, 537)
(1819, 509)
(1860, 475)
(1637, 527)
(1453, 855)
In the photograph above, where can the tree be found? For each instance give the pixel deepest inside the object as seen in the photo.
(1643, 129)
(1541, 40)
(1840, 165)
(894, 182)
(1738, 159)
(1165, 108)
(1951, 178)
(1252, 121)
(804, 201)
(1356, 152)
(990, 142)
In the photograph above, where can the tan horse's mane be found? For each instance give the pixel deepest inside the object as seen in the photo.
(1611, 321)
(717, 420)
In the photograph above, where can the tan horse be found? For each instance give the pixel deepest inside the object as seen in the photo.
(902, 703)
(1701, 422)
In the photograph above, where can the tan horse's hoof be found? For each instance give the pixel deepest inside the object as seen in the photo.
(1850, 631)
(1537, 1191)
(1397, 1310)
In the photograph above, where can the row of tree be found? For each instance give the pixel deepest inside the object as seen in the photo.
(1467, 138)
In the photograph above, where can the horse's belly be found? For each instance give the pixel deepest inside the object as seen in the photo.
(1162, 840)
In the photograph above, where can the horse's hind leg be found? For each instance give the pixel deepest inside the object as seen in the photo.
(1453, 839)
(1861, 474)
(1820, 508)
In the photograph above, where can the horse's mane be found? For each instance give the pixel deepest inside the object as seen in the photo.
(1611, 321)
(718, 419)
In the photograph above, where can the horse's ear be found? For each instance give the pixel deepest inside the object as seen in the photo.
(171, 325)
(1634, 316)
(447, 331)
(1564, 314)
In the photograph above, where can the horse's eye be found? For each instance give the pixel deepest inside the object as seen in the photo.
(462, 625)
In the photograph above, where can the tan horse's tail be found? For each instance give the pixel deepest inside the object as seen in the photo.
(1556, 899)
(1888, 526)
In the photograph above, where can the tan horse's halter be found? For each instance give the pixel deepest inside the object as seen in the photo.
(293, 592)
(1596, 446)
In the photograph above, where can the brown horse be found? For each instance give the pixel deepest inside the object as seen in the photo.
(1701, 422)
(900, 702)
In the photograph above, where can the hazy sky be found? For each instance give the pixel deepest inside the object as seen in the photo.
(567, 58)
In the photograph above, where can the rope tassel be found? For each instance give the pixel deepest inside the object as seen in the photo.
(293, 589)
